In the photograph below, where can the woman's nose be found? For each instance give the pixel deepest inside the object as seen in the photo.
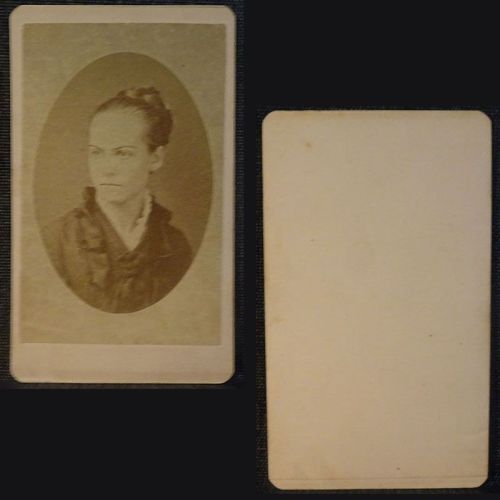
(109, 165)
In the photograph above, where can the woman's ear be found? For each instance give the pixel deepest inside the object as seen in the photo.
(157, 157)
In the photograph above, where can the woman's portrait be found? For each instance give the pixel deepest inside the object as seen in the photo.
(133, 183)
(118, 250)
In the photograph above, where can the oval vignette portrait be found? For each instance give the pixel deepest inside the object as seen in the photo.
(123, 183)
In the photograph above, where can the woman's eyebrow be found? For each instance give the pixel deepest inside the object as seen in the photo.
(125, 146)
(93, 146)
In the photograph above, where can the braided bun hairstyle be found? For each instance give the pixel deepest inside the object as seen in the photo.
(148, 101)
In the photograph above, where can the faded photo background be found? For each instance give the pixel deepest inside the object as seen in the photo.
(69, 69)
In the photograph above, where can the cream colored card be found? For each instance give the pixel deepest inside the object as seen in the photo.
(377, 298)
(122, 189)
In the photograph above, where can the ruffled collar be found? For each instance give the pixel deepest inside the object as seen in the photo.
(99, 238)
(131, 238)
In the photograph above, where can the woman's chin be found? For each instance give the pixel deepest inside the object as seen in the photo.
(116, 194)
(109, 197)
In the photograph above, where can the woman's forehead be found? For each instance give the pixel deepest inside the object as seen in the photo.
(117, 127)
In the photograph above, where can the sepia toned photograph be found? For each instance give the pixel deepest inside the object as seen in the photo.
(122, 159)
(117, 248)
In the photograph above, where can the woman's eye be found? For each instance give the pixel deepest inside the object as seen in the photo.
(124, 153)
(95, 152)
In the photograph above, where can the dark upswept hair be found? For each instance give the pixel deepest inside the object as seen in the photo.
(148, 101)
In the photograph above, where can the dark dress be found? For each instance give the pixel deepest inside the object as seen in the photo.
(95, 263)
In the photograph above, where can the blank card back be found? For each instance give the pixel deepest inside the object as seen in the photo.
(377, 228)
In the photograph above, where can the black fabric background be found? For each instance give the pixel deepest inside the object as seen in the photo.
(200, 440)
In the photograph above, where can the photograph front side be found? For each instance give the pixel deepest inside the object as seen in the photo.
(122, 153)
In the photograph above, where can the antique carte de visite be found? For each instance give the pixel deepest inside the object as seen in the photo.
(377, 298)
(122, 189)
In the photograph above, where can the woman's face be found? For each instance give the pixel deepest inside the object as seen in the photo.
(119, 157)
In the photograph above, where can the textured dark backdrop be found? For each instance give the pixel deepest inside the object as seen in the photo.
(306, 55)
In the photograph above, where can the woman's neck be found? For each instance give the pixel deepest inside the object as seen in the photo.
(124, 214)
